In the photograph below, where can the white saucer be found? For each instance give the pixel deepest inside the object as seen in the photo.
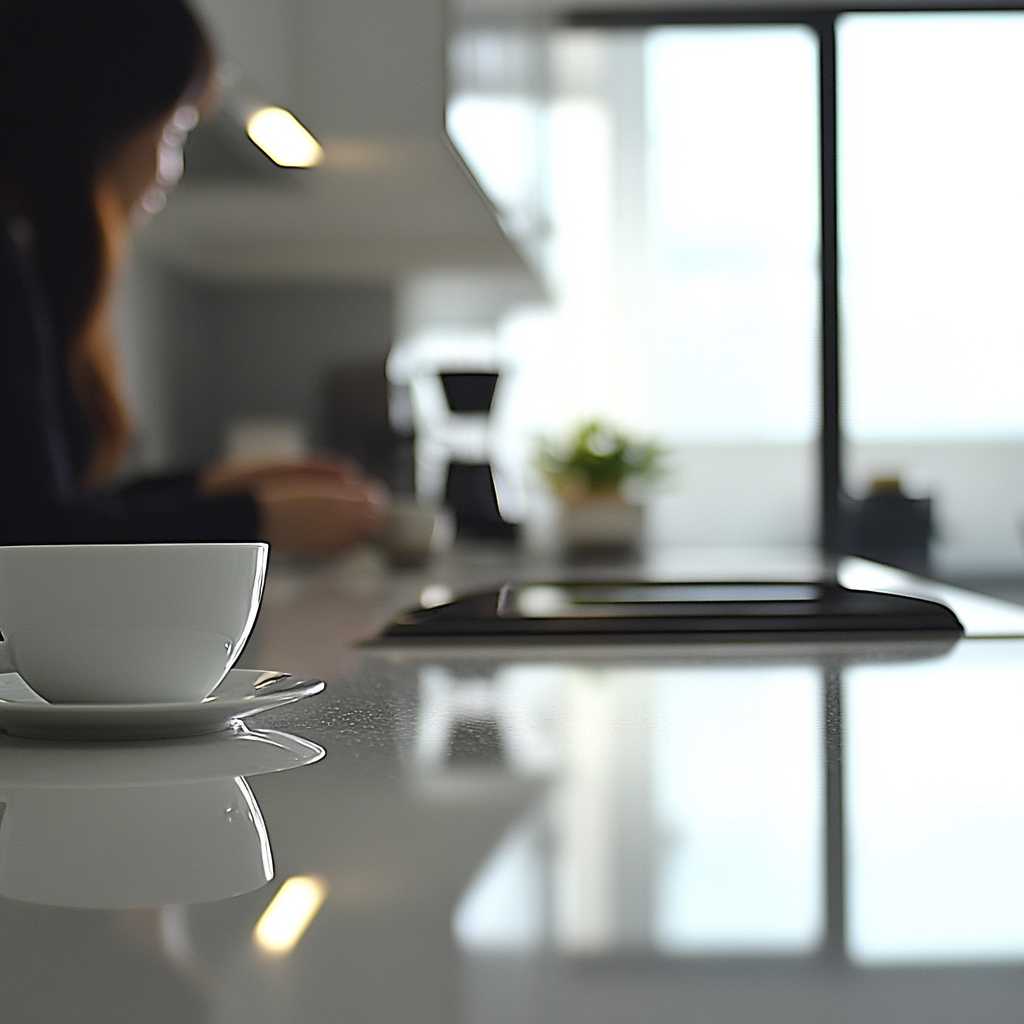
(242, 693)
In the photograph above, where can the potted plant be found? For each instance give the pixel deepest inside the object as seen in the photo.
(588, 474)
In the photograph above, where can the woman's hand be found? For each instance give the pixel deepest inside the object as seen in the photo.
(317, 520)
(315, 508)
(231, 477)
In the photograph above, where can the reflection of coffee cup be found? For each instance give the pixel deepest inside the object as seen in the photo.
(412, 533)
(138, 825)
(125, 623)
(133, 846)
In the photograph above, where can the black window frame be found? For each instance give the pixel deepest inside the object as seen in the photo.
(822, 21)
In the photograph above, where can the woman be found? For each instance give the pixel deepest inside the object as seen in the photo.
(96, 97)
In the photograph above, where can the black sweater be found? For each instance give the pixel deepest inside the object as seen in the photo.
(46, 442)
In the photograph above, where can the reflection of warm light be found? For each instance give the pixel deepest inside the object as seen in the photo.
(289, 914)
(279, 134)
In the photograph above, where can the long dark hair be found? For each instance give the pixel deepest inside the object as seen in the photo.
(77, 79)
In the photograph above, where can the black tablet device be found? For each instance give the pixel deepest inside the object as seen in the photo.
(675, 612)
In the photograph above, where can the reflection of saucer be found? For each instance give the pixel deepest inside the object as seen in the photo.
(69, 765)
(138, 824)
(242, 693)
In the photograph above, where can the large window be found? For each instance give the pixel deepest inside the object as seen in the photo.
(732, 231)
(707, 258)
(931, 206)
(680, 192)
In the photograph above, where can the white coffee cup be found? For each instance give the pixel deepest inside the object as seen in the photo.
(412, 533)
(127, 623)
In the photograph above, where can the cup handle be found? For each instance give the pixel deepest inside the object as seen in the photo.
(6, 665)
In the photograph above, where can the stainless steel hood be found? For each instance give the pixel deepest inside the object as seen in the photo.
(391, 197)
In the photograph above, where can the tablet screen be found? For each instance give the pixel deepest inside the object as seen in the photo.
(640, 600)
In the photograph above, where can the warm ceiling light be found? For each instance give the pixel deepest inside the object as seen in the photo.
(289, 914)
(279, 134)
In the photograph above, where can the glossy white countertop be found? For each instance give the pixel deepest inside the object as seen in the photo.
(730, 835)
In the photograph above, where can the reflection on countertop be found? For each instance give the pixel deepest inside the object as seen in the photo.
(738, 835)
(314, 618)
(143, 824)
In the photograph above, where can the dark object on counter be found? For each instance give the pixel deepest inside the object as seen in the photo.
(356, 424)
(471, 495)
(468, 392)
(887, 526)
(675, 613)
(470, 492)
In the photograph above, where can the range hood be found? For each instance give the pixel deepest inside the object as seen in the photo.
(391, 197)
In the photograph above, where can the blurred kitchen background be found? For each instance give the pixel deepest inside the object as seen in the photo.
(621, 223)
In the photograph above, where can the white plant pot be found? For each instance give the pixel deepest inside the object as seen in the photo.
(602, 523)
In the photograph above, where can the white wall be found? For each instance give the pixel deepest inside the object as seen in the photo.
(460, 299)
(258, 36)
(978, 491)
(198, 355)
(162, 323)
(272, 345)
(768, 495)
(738, 494)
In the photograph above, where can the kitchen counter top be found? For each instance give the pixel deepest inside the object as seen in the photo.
(761, 834)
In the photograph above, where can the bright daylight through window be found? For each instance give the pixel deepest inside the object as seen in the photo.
(931, 208)
(678, 168)
(665, 181)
